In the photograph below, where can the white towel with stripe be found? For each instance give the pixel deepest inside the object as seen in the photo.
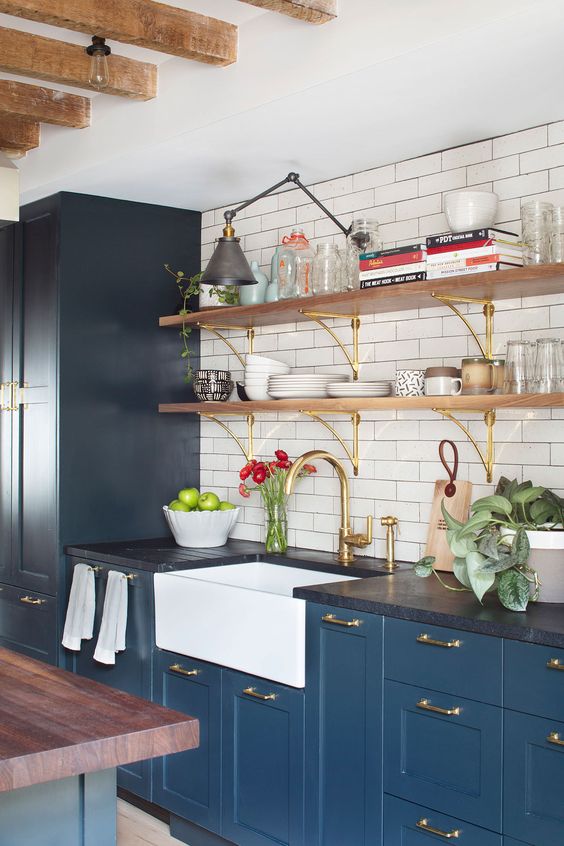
(79, 622)
(111, 638)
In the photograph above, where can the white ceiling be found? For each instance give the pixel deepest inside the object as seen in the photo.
(389, 79)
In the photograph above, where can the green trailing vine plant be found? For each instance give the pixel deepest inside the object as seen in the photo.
(492, 548)
(188, 287)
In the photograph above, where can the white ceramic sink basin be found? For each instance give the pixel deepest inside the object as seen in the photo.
(239, 615)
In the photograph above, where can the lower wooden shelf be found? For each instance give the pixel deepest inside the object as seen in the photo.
(483, 402)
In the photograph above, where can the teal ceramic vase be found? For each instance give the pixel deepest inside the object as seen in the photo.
(254, 294)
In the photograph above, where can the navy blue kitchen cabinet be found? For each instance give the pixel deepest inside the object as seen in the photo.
(263, 762)
(132, 671)
(83, 452)
(343, 728)
(27, 621)
(189, 783)
(534, 679)
(407, 824)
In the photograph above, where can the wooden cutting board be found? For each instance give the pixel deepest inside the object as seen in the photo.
(457, 505)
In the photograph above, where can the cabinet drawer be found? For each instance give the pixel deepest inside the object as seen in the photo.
(28, 623)
(461, 663)
(534, 779)
(508, 841)
(534, 679)
(443, 752)
(406, 824)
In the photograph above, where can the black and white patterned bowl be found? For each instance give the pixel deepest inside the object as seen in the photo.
(216, 375)
(212, 390)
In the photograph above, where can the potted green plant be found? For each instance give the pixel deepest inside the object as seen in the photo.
(513, 543)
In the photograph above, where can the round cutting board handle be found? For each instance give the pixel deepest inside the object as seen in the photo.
(450, 488)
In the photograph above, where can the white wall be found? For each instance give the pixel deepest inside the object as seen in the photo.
(399, 450)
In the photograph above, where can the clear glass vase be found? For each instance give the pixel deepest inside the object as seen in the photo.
(276, 528)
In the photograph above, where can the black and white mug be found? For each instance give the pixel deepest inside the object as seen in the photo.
(410, 383)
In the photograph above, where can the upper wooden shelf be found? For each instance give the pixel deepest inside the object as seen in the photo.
(499, 285)
(483, 402)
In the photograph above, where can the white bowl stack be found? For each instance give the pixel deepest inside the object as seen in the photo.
(258, 369)
(466, 210)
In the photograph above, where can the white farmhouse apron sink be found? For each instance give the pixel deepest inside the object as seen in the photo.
(239, 615)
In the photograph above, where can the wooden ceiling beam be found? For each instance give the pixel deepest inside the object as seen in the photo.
(312, 11)
(17, 136)
(57, 61)
(43, 105)
(141, 22)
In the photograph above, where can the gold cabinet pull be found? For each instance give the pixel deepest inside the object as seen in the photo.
(349, 624)
(555, 738)
(178, 668)
(12, 389)
(264, 697)
(554, 664)
(446, 644)
(425, 705)
(448, 835)
(32, 600)
(3, 386)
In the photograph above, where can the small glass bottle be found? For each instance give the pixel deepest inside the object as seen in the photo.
(326, 270)
(364, 237)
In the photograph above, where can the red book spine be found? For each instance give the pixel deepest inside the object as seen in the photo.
(391, 261)
(469, 245)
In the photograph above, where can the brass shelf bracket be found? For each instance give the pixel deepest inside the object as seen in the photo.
(215, 331)
(319, 317)
(488, 310)
(487, 459)
(353, 454)
(248, 452)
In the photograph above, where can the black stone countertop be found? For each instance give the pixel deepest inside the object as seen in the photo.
(402, 595)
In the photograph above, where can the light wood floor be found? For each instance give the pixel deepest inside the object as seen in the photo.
(135, 828)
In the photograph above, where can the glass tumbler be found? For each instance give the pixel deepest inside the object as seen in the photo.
(326, 270)
(557, 235)
(518, 368)
(364, 237)
(548, 370)
(536, 218)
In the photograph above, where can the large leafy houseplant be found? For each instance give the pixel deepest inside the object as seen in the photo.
(492, 548)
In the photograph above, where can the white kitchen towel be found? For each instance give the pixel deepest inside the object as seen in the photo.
(79, 622)
(111, 638)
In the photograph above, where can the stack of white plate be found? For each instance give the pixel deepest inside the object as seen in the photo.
(258, 368)
(302, 385)
(359, 389)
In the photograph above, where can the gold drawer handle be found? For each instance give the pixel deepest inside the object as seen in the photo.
(448, 835)
(178, 668)
(446, 644)
(30, 600)
(555, 738)
(425, 705)
(349, 624)
(554, 664)
(264, 697)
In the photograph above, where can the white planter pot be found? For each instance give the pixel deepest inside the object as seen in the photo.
(547, 558)
(206, 301)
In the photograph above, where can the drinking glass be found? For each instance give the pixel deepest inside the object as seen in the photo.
(548, 371)
(557, 235)
(326, 270)
(536, 218)
(518, 368)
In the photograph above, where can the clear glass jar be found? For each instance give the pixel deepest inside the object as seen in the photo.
(364, 237)
(536, 217)
(326, 270)
(295, 266)
(557, 235)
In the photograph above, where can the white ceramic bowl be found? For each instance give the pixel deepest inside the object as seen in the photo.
(251, 358)
(257, 392)
(467, 210)
(201, 528)
(267, 368)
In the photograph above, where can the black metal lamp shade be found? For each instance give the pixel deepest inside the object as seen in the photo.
(228, 265)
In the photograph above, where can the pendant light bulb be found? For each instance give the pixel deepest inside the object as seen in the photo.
(99, 51)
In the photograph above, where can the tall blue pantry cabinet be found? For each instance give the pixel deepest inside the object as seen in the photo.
(83, 365)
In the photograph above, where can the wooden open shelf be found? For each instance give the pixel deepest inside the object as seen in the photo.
(500, 285)
(483, 402)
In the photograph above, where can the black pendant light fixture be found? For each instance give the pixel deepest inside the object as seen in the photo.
(99, 51)
(228, 265)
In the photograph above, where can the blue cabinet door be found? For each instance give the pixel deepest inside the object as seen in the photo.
(132, 671)
(533, 679)
(263, 751)
(534, 779)
(189, 783)
(443, 752)
(28, 622)
(406, 824)
(508, 841)
(343, 727)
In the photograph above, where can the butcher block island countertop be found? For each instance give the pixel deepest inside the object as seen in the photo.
(54, 724)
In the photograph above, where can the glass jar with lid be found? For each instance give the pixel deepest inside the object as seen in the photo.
(295, 265)
(536, 217)
(364, 237)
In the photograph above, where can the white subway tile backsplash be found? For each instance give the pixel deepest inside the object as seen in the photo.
(448, 180)
(374, 178)
(418, 167)
(419, 207)
(542, 159)
(468, 155)
(520, 142)
(521, 186)
(495, 169)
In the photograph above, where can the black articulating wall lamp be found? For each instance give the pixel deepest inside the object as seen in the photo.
(228, 265)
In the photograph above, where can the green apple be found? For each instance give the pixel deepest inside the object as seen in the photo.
(208, 502)
(189, 496)
(177, 505)
(226, 506)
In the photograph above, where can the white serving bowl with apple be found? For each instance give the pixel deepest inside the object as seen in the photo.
(200, 520)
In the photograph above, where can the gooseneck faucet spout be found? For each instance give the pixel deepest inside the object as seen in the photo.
(347, 538)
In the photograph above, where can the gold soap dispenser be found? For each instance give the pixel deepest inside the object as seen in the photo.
(391, 524)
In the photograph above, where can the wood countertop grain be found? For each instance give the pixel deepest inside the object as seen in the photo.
(54, 724)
